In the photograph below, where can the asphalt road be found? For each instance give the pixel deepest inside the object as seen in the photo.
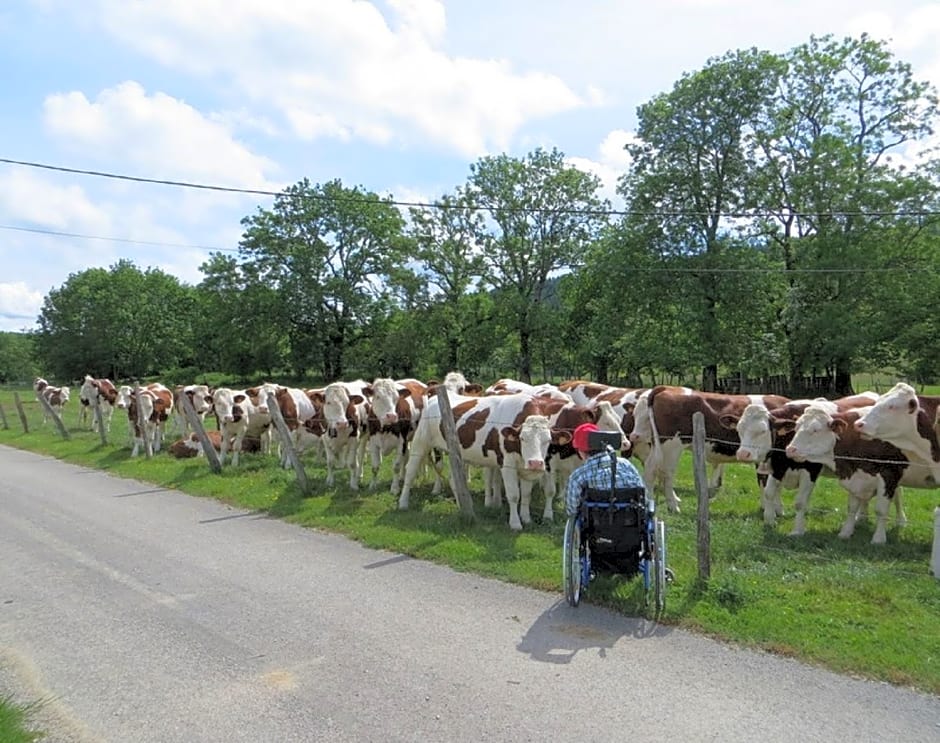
(141, 614)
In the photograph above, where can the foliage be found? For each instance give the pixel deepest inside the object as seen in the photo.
(17, 358)
(14, 722)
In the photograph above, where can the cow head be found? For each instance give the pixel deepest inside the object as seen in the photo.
(384, 395)
(230, 405)
(754, 431)
(815, 436)
(123, 399)
(530, 440)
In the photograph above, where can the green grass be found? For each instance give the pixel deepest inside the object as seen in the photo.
(14, 722)
(853, 607)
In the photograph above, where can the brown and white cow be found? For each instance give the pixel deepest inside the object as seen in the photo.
(910, 422)
(200, 397)
(156, 404)
(260, 422)
(102, 393)
(393, 413)
(866, 468)
(238, 419)
(56, 397)
(457, 383)
(347, 429)
(765, 434)
(663, 417)
(513, 386)
(511, 433)
(189, 445)
(298, 410)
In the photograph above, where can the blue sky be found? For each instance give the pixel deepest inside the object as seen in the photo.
(396, 96)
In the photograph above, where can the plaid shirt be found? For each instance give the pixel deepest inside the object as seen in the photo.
(595, 473)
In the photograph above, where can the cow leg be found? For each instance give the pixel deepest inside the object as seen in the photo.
(801, 503)
(770, 496)
(900, 516)
(549, 488)
(417, 458)
(237, 447)
(669, 462)
(525, 500)
(714, 483)
(398, 466)
(375, 460)
(882, 508)
(511, 488)
(492, 488)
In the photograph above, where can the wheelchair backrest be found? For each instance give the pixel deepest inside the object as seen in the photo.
(617, 495)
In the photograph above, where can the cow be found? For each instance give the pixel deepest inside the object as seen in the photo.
(393, 413)
(261, 424)
(238, 418)
(866, 468)
(509, 432)
(55, 397)
(764, 436)
(189, 445)
(455, 382)
(512, 386)
(346, 417)
(297, 409)
(663, 417)
(103, 394)
(909, 421)
(155, 402)
(200, 398)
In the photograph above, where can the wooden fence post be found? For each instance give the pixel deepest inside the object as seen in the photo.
(701, 489)
(22, 413)
(97, 419)
(3, 419)
(287, 444)
(148, 444)
(458, 476)
(212, 456)
(54, 415)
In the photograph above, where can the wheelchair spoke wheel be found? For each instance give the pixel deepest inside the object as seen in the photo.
(572, 568)
(659, 566)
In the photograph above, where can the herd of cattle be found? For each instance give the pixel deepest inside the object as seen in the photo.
(520, 434)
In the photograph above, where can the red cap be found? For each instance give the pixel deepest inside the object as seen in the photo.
(580, 438)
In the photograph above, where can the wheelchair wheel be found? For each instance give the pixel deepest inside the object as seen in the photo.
(572, 569)
(659, 566)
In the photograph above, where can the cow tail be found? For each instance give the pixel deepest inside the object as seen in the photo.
(656, 451)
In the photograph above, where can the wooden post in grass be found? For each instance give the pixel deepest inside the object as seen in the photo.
(195, 422)
(458, 475)
(701, 489)
(148, 444)
(3, 419)
(22, 413)
(286, 444)
(54, 415)
(97, 418)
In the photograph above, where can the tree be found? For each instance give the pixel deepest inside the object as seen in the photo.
(327, 251)
(17, 357)
(689, 179)
(118, 323)
(542, 214)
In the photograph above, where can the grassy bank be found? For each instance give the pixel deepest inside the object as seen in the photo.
(853, 607)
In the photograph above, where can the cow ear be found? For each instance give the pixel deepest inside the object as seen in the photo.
(562, 438)
(368, 391)
(783, 427)
(356, 399)
(510, 433)
(912, 406)
(238, 398)
(404, 392)
(838, 426)
(728, 421)
(473, 389)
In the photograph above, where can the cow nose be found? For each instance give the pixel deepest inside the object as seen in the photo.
(634, 438)
(793, 453)
(743, 455)
(391, 418)
(535, 464)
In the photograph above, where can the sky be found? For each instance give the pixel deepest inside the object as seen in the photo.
(398, 97)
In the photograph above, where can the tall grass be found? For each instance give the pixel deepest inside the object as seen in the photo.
(850, 606)
(15, 726)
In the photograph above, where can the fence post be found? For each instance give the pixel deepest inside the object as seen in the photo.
(212, 456)
(22, 413)
(141, 423)
(54, 415)
(286, 442)
(97, 418)
(3, 419)
(935, 560)
(701, 489)
(458, 476)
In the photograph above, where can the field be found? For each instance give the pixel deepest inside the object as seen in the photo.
(853, 607)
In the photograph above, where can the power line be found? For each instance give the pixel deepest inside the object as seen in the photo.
(56, 233)
(753, 214)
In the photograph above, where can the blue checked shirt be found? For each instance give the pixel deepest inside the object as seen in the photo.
(594, 472)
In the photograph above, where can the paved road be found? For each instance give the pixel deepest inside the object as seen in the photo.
(143, 614)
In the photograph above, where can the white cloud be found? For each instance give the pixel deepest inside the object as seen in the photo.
(19, 306)
(157, 133)
(341, 69)
(611, 162)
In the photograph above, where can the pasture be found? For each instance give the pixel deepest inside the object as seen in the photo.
(853, 607)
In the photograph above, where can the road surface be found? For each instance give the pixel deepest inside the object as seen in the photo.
(142, 614)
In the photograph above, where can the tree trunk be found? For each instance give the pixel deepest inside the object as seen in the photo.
(525, 357)
(843, 380)
(709, 378)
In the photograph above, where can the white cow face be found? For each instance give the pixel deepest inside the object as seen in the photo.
(201, 398)
(335, 404)
(230, 405)
(815, 437)
(534, 437)
(753, 429)
(893, 418)
(124, 395)
(642, 432)
(385, 395)
(88, 389)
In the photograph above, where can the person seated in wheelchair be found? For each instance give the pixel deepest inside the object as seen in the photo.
(615, 535)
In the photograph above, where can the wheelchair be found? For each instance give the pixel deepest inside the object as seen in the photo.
(615, 531)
